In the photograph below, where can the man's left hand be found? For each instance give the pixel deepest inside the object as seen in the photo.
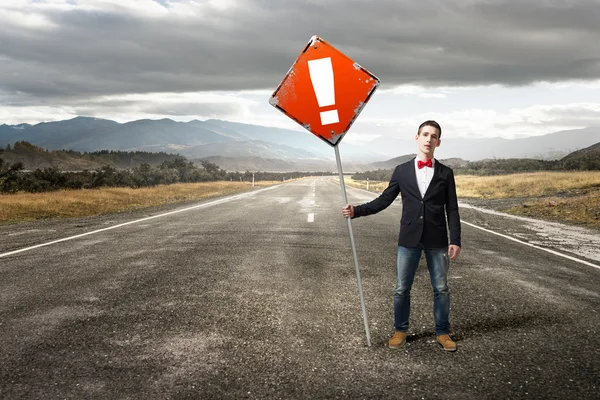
(453, 251)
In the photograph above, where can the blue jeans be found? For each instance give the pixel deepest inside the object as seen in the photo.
(438, 263)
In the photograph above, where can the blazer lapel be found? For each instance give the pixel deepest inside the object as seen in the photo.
(436, 174)
(412, 181)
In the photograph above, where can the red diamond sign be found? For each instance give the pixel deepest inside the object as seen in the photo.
(324, 91)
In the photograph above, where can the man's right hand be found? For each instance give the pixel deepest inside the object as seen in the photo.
(348, 211)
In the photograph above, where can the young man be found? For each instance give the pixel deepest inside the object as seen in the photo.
(428, 195)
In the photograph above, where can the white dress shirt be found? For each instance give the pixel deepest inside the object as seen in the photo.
(424, 176)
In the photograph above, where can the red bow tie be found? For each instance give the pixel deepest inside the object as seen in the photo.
(422, 164)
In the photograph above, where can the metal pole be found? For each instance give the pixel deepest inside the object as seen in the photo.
(253, 179)
(358, 280)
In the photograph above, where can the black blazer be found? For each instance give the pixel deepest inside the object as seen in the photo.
(423, 218)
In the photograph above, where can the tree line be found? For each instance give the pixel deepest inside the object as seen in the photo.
(14, 179)
(36, 157)
(585, 162)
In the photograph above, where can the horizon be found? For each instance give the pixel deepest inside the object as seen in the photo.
(246, 146)
(299, 129)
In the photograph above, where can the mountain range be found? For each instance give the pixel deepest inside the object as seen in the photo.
(239, 147)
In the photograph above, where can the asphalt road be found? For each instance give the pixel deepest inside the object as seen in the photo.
(254, 298)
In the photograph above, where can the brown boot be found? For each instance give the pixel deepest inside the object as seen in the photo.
(397, 340)
(447, 343)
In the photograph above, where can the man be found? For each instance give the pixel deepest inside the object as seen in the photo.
(428, 195)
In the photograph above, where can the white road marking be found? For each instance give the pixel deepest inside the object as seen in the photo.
(532, 245)
(311, 217)
(212, 203)
(584, 241)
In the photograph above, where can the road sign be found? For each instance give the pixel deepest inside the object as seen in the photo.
(324, 91)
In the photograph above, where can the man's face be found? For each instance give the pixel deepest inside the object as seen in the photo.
(428, 140)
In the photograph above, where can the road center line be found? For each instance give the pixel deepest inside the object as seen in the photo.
(311, 217)
(212, 203)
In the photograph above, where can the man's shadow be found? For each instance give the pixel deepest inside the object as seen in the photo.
(468, 329)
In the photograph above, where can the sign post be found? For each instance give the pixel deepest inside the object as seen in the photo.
(324, 91)
(359, 281)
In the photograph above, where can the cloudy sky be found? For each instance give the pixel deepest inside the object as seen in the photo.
(482, 68)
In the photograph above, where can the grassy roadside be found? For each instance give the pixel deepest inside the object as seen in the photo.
(82, 203)
(570, 197)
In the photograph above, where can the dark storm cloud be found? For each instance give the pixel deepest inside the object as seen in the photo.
(252, 45)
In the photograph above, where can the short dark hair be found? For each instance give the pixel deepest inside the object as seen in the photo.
(430, 123)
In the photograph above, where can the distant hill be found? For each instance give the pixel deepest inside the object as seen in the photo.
(592, 151)
(588, 158)
(552, 146)
(248, 148)
(250, 164)
(196, 139)
(241, 145)
(388, 164)
(60, 135)
(582, 160)
(392, 163)
(454, 162)
(34, 157)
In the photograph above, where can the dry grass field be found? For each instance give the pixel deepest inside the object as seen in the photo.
(535, 184)
(81, 203)
(572, 197)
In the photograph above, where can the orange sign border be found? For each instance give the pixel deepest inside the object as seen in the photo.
(337, 138)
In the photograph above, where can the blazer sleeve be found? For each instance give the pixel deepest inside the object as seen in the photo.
(452, 211)
(383, 201)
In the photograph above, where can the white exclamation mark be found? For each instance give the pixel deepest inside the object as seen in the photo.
(321, 76)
